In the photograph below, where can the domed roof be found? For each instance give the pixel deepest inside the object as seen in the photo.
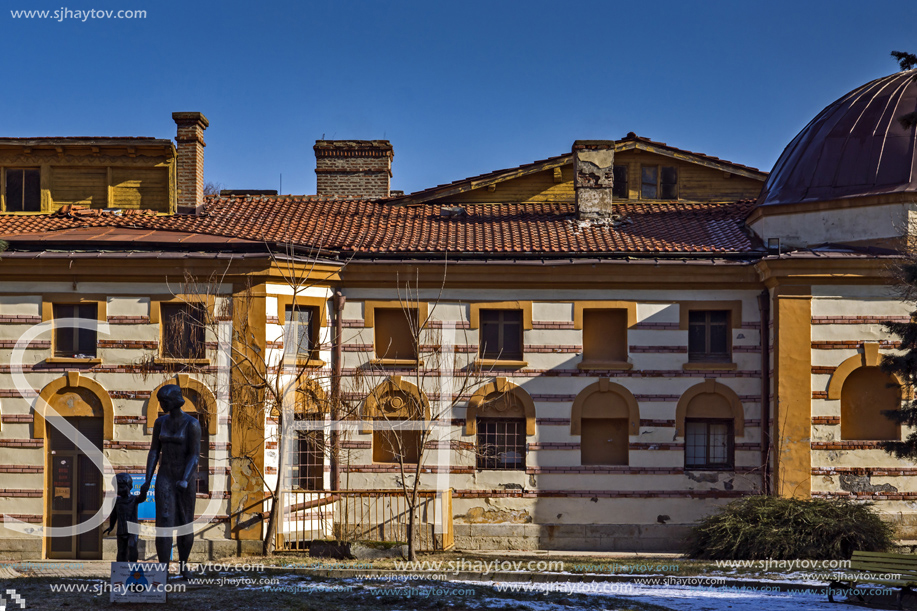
(854, 147)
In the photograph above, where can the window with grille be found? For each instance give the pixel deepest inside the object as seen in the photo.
(709, 444)
(619, 188)
(501, 444)
(23, 190)
(309, 461)
(501, 334)
(70, 341)
(182, 330)
(708, 335)
(299, 328)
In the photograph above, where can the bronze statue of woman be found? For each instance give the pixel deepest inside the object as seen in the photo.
(176, 446)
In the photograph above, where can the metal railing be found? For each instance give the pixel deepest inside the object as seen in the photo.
(364, 515)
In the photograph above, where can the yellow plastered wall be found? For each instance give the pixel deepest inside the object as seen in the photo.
(793, 385)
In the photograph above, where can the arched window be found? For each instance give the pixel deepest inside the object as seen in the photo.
(501, 415)
(865, 394)
(604, 414)
(709, 416)
(396, 406)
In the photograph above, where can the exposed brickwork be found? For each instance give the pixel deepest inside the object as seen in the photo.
(360, 169)
(25, 418)
(128, 343)
(130, 394)
(823, 369)
(819, 394)
(20, 492)
(656, 326)
(130, 420)
(394, 468)
(356, 445)
(353, 324)
(660, 349)
(576, 373)
(450, 324)
(846, 445)
(857, 320)
(826, 420)
(551, 324)
(128, 320)
(851, 344)
(872, 496)
(556, 445)
(22, 443)
(910, 471)
(622, 470)
(602, 494)
(22, 469)
(33, 345)
(189, 162)
(20, 319)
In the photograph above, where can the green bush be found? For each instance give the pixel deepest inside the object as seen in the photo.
(762, 527)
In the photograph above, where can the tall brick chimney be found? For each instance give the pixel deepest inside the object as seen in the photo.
(593, 178)
(353, 168)
(190, 161)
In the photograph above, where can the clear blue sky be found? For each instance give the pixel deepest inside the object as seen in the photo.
(459, 88)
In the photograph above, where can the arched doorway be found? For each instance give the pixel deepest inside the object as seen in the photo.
(74, 486)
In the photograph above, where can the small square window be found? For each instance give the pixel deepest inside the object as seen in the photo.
(23, 190)
(501, 334)
(394, 333)
(299, 330)
(501, 444)
(709, 444)
(70, 341)
(708, 336)
(182, 330)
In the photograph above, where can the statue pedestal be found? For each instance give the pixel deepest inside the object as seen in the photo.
(138, 582)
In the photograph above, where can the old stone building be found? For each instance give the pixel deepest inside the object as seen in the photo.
(610, 343)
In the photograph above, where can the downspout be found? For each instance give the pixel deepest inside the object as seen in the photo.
(764, 305)
(337, 353)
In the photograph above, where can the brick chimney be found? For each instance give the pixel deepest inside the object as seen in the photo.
(593, 178)
(353, 168)
(190, 162)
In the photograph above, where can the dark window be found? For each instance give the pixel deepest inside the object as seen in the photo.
(668, 183)
(501, 334)
(309, 458)
(708, 444)
(23, 191)
(649, 182)
(203, 459)
(69, 341)
(708, 335)
(501, 444)
(604, 335)
(619, 189)
(182, 330)
(300, 330)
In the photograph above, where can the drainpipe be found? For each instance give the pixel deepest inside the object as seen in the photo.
(337, 353)
(764, 305)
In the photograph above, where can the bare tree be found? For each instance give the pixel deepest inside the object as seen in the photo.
(406, 424)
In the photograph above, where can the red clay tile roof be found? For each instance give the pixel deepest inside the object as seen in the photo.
(372, 228)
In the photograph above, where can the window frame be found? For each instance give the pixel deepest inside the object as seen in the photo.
(729, 465)
(474, 322)
(4, 190)
(369, 322)
(207, 302)
(619, 187)
(406, 311)
(658, 183)
(319, 320)
(198, 355)
(481, 458)
(500, 353)
(47, 315)
(708, 355)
